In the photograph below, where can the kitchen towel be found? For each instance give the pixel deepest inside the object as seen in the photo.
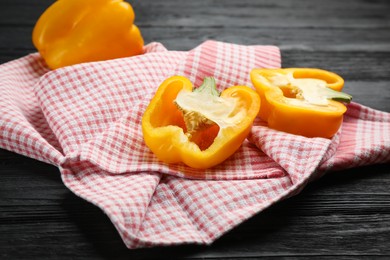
(86, 120)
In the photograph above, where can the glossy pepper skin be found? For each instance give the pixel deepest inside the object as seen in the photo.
(75, 31)
(166, 134)
(309, 121)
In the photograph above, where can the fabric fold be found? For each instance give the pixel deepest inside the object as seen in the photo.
(24, 128)
(86, 119)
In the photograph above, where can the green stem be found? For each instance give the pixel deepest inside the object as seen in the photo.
(208, 87)
(338, 96)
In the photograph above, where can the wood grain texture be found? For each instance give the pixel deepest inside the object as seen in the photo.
(343, 215)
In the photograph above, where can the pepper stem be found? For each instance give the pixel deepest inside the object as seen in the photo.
(338, 96)
(208, 87)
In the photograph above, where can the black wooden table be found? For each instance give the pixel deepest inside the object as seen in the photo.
(344, 214)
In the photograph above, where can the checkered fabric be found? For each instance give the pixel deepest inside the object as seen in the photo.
(86, 120)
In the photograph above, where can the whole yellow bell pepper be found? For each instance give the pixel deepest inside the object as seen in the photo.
(302, 101)
(75, 31)
(199, 127)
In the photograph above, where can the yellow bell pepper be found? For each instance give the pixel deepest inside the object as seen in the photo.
(302, 101)
(75, 31)
(199, 127)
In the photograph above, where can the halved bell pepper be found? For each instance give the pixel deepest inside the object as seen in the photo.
(75, 31)
(302, 101)
(199, 127)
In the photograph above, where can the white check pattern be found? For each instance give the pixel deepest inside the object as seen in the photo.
(85, 119)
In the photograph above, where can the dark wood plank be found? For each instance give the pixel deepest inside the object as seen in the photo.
(345, 214)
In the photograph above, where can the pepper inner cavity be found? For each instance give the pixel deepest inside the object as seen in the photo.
(311, 91)
(204, 112)
(199, 129)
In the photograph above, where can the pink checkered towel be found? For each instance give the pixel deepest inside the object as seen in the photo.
(85, 119)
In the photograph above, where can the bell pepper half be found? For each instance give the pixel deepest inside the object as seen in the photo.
(301, 101)
(75, 31)
(199, 127)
